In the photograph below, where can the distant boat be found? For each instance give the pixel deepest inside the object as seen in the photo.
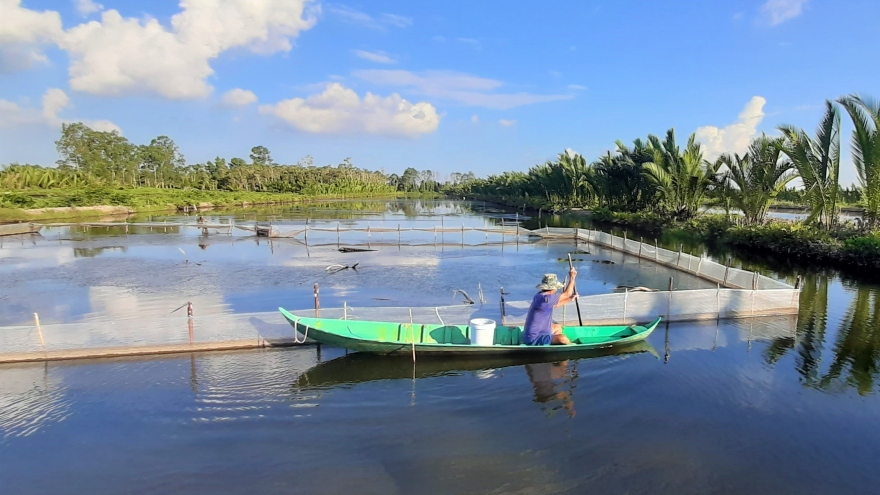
(19, 228)
(386, 337)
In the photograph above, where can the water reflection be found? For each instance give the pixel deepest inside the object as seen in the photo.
(554, 385)
(356, 368)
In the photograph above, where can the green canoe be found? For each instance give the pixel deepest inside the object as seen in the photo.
(386, 337)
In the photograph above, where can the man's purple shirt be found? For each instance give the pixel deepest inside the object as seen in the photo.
(540, 317)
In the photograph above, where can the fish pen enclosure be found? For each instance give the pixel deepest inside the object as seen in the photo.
(734, 293)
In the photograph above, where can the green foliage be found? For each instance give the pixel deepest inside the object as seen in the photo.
(758, 177)
(818, 164)
(864, 247)
(865, 114)
(792, 239)
(643, 220)
(681, 177)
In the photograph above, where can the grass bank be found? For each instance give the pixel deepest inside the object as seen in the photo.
(92, 202)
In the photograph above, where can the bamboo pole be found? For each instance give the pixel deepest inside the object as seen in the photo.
(317, 300)
(39, 331)
(412, 331)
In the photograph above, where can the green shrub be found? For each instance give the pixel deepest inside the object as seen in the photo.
(16, 200)
(866, 248)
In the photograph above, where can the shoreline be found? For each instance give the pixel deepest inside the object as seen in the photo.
(21, 215)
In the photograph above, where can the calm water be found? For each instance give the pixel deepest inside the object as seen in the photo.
(750, 406)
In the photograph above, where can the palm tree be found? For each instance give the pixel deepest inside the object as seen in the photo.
(759, 176)
(682, 179)
(865, 114)
(818, 163)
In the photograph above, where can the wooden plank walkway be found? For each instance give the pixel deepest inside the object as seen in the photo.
(147, 350)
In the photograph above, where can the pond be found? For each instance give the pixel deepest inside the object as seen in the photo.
(769, 405)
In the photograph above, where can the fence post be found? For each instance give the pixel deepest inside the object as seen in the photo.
(502, 306)
(726, 272)
(624, 243)
(678, 263)
(699, 265)
(39, 331)
(317, 300)
(641, 241)
(669, 301)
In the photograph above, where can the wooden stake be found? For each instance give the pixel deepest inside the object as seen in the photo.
(317, 300)
(412, 331)
(39, 331)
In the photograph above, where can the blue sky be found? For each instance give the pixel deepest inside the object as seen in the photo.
(482, 86)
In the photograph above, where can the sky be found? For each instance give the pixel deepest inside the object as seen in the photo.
(483, 86)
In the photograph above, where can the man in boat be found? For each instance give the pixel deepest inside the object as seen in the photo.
(540, 329)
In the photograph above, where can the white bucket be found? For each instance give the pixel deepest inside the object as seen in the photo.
(482, 331)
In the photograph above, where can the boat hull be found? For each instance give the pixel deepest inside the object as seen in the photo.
(422, 339)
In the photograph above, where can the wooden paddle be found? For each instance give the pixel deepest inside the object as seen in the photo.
(576, 302)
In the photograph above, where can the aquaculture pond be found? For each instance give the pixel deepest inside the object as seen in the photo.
(764, 406)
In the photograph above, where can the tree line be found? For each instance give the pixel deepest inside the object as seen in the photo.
(659, 175)
(95, 158)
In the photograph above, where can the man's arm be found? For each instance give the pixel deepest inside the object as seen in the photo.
(567, 295)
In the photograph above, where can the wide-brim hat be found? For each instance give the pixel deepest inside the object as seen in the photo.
(549, 282)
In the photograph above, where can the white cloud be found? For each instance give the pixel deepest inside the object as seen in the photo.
(733, 138)
(570, 152)
(507, 123)
(577, 87)
(118, 55)
(54, 101)
(86, 7)
(776, 12)
(378, 57)
(23, 33)
(380, 23)
(456, 86)
(339, 110)
(238, 97)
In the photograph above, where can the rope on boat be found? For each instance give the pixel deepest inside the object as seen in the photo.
(305, 335)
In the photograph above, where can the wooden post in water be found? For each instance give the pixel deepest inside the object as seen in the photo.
(641, 241)
(678, 263)
(39, 331)
(462, 236)
(317, 301)
(502, 306)
(337, 235)
(726, 272)
(412, 331)
(669, 302)
(624, 242)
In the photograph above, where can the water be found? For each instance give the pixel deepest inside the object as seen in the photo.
(730, 407)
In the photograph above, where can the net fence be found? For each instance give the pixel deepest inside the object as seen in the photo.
(698, 266)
